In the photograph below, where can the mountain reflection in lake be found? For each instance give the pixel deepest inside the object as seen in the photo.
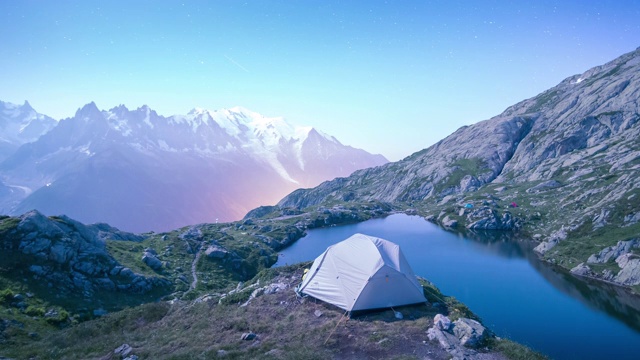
(500, 278)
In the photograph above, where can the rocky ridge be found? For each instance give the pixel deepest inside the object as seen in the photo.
(561, 165)
(62, 254)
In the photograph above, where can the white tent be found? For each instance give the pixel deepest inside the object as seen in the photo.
(363, 272)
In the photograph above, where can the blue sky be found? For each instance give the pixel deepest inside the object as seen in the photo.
(389, 77)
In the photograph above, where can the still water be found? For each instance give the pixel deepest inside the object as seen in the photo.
(503, 282)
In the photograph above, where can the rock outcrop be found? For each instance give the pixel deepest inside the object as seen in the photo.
(613, 252)
(629, 269)
(458, 338)
(621, 254)
(71, 257)
(487, 218)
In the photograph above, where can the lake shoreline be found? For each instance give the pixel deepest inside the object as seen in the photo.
(594, 299)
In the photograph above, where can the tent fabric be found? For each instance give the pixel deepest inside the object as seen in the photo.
(363, 272)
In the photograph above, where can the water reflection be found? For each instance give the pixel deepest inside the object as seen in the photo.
(501, 279)
(506, 244)
(616, 301)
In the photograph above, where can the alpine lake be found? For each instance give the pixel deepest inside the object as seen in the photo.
(500, 278)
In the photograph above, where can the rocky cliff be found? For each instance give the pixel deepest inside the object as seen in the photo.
(561, 165)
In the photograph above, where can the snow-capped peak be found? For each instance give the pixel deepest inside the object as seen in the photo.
(225, 133)
(21, 123)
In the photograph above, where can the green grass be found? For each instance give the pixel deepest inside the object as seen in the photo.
(591, 80)
(611, 265)
(461, 168)
(542, 100)
(454, 308)
(515, 351)
(585, 241)
(287, 328)
(7, 224)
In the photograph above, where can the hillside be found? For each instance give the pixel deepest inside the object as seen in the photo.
(198, 290)
(568, 158)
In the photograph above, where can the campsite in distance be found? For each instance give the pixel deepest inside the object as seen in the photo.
(502, 281)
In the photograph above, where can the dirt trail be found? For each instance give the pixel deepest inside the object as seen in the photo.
(193, 269)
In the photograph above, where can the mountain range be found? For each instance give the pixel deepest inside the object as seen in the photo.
(141, 171)
(561, 168)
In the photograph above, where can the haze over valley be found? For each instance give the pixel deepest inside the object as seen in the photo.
(141, 171)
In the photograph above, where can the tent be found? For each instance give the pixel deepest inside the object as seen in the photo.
(361, 273)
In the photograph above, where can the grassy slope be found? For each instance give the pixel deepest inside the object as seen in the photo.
(254, 245)
(287, 328)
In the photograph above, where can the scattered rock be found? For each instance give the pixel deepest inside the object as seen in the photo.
(449, 223)
(266, 290)
(318, 313)
(248, 336)
(123, 350)
(470, 332)
(216, 252)
(152, 261)
(545, 246)
(442, 322)
(274, 288)
(582, 269)
(552, 241)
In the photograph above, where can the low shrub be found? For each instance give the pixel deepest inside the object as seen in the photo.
(6, 295)
(35, 311)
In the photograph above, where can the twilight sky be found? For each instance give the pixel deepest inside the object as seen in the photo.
(391, 77)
